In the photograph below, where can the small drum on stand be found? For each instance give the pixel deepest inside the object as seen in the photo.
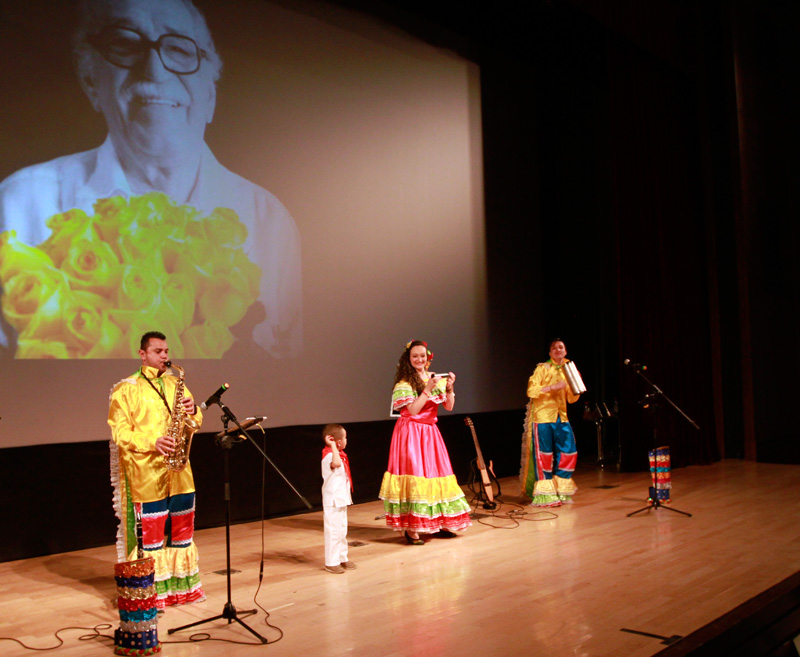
(137, 602)
(661, 475)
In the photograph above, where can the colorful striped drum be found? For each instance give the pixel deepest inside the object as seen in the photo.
(138, 614)
(660, 472)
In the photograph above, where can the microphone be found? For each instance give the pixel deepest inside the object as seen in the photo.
(636, 366)
(249, 422)
(214, 399)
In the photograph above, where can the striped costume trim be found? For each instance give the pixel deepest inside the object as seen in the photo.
(403, 394)
(424, 505)
(395, 488)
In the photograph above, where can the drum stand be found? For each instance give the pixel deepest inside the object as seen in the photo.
(226, 439)
(651, 401)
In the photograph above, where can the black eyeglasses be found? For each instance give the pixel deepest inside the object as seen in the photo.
(126, 48)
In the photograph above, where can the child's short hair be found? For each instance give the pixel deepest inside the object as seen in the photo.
(335, 430)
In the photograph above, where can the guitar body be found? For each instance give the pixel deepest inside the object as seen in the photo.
(485, 491)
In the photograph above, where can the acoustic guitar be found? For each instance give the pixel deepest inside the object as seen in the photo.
(486, 474)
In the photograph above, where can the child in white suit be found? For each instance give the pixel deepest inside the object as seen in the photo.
(337, 485)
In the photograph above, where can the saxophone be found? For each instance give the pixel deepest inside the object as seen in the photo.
(181, 427)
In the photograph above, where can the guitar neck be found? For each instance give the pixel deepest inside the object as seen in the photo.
(487, 485)
(481, 463)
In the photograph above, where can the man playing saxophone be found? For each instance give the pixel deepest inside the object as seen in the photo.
(140, 414)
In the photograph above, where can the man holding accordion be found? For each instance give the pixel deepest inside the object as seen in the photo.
(549, 449)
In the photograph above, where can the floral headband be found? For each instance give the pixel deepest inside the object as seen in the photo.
(425, 344)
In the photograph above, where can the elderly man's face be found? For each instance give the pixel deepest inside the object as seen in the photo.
(150, 110)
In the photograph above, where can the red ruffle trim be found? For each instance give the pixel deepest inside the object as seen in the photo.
(181, 598)
(429, 525)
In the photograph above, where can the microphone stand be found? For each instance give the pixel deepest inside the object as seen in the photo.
(226, 439)
(651, 400)
(596, 415)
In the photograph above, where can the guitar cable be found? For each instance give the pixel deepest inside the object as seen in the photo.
(516, 514)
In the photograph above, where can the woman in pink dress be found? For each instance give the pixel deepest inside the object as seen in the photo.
(419, 490)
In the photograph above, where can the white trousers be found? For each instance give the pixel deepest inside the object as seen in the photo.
(335, 530)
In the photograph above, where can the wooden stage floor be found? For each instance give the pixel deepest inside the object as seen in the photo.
(567, 582)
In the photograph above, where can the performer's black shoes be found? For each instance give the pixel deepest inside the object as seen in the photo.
(413, 541)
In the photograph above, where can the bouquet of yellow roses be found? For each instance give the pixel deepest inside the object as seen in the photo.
(99, 282)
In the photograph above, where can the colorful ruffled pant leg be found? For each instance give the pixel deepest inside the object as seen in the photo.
(549, 456)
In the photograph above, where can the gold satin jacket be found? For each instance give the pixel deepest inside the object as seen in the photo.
(549, 406)
(137, 417)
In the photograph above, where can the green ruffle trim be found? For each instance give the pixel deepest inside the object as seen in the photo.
(546, 500)
(423, 509)
(177, 585)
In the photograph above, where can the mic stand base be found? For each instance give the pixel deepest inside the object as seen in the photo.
(655, 504)
(230, 614)
(228, 611)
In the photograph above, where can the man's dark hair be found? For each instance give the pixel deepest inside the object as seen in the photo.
(158, 335)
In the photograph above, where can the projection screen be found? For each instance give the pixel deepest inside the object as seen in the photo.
(336, 213)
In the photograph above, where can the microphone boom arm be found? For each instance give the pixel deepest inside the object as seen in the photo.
(228, 435)
(657, 392)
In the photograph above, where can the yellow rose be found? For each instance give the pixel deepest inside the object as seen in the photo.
(92, 265)
(163, 300)
(223, 227)
(175, 235)
(16, 256)
(177, 219)
(41, 349)
(110, 340)
(232, 288)
(144, 263)
(162, 314)
(229, 261)
(46, 323)
(193, 260)
(139, 289)
(148, 209)
(172, 251)
(27, 292)
(208, 340)
(110, 208)
(65, 229)
(142, 247)
(112, 218)
(77, 320)
(177, 292)
(89, 332)
(222, 300)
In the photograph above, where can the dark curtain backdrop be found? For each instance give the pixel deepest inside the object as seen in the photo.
(768, 272)
(608, 246)
(660, 224)
(660, 256)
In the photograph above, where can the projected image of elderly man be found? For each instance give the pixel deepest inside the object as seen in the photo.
(150, 68)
